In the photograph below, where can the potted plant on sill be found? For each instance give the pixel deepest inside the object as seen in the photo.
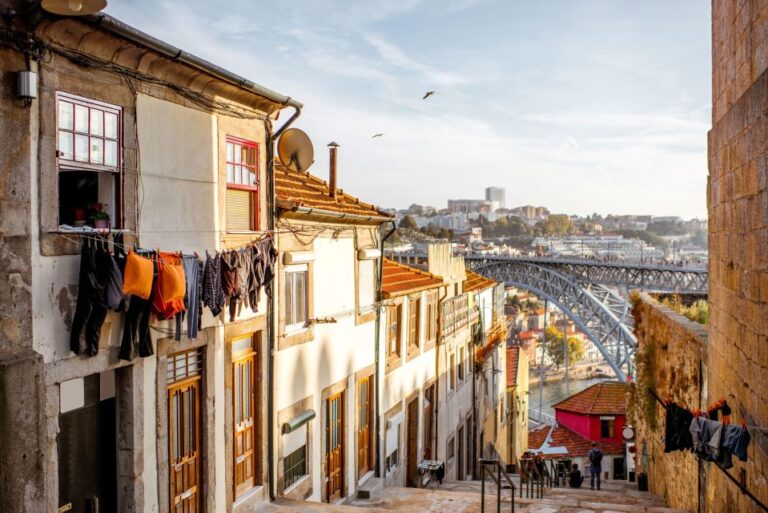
(80, 216)
(99, 215)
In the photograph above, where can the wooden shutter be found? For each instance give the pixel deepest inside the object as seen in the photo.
(239, 210)
(366, 282)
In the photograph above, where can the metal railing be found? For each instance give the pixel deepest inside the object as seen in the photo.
(531, 478)
(497, 478)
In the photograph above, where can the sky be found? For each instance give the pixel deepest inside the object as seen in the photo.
(582, 106)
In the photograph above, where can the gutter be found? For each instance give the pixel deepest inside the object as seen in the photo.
(173, 53)
(342, 216)
(377, 405)
(271, 216)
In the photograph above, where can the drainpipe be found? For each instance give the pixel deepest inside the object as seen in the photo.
(271, 214)
(377, 381)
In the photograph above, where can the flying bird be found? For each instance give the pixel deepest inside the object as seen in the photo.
(428, 94)
(377, 135)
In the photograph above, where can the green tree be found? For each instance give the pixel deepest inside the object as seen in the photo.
(556, 224)
(416, 209)
(553, 345)
(407, 222)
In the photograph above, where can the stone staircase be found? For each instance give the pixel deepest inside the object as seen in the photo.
(464, 497)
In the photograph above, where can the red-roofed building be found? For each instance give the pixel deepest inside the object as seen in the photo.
(517, 403)
(597, 413)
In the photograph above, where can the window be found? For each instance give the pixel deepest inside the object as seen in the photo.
(394, 314)
(392, 448)
(242, 185)
(295, 449)
(89, 148)
(607, 427)
(452, 370)
(431, 328)
(461, 363)
(414, 316)
(296, 297)
(366, 284)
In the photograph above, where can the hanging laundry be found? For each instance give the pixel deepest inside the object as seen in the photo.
(136, 336)
(91, 307)
(736, 440)
(193, 274)
(262, 273)
(677, 434)
(138, 276)
(213, 294)
(113, 291)
(170, 286)
(230, 280)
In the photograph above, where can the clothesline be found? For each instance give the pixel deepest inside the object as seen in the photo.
(747, 426)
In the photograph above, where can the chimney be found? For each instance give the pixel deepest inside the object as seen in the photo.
(332, 172)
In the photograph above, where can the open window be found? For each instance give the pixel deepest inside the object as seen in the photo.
(242, 185)
(89, 151)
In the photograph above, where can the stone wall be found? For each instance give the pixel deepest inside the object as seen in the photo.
(669, 358)
(738, 236)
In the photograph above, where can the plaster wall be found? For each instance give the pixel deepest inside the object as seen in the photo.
(332, 357)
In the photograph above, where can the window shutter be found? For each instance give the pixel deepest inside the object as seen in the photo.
(366, 282)
(294, 440)
(239, 213)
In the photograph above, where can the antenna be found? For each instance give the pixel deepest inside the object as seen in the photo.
(295, 150)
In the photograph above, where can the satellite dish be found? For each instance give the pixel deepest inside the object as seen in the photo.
(74, 7)
(295, 150)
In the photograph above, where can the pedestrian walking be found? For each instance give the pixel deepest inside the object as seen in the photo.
(595, 465)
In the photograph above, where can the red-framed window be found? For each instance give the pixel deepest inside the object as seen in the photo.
(89, 137)
(242, 161)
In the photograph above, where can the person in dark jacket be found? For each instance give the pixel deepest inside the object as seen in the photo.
(575, 478)
(595, 457)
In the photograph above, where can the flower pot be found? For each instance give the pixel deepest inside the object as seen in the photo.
(101, 223)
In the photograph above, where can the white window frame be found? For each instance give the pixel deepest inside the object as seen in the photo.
(293, 269)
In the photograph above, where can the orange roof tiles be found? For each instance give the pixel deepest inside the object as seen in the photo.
(606, 398)
(294, 189)
(477, 282)
(400, 279)
(574, 443)
(513, 357)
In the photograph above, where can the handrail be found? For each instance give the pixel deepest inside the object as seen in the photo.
(500, 472)
(534, 482)
(742, 487)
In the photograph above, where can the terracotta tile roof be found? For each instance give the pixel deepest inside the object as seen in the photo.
(513, 357)
(305, 190)
(574, 443)
(537, 436)
(400, 279)
(606, 398)
(477, 282)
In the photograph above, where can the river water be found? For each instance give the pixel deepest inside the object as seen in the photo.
(554, 391)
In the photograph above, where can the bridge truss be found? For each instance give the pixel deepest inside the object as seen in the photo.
(599, 313)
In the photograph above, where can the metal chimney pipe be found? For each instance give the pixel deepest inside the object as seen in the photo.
(332, 172)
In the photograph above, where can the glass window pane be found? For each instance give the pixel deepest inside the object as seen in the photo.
(110, 125)
(240, 175)
(81, 148)
(97, 122)
(230, 152)
(65, 145)
(97, 150)
(238, 153)
(110, 153)
(301, 297)
(249, 156)
(230, 173)
(253, 178)
(66, 115)
(81, 118)
(288, 299)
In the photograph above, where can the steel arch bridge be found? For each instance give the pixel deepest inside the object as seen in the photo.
(582, 290)
(603, 316)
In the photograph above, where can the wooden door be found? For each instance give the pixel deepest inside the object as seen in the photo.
(245, 424)
(427, 419)
(460, 469)
(184, 445)
(334, 452)
(364, 429)
(412, 459)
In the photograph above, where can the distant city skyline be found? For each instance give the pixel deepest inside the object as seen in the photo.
(588, 105)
